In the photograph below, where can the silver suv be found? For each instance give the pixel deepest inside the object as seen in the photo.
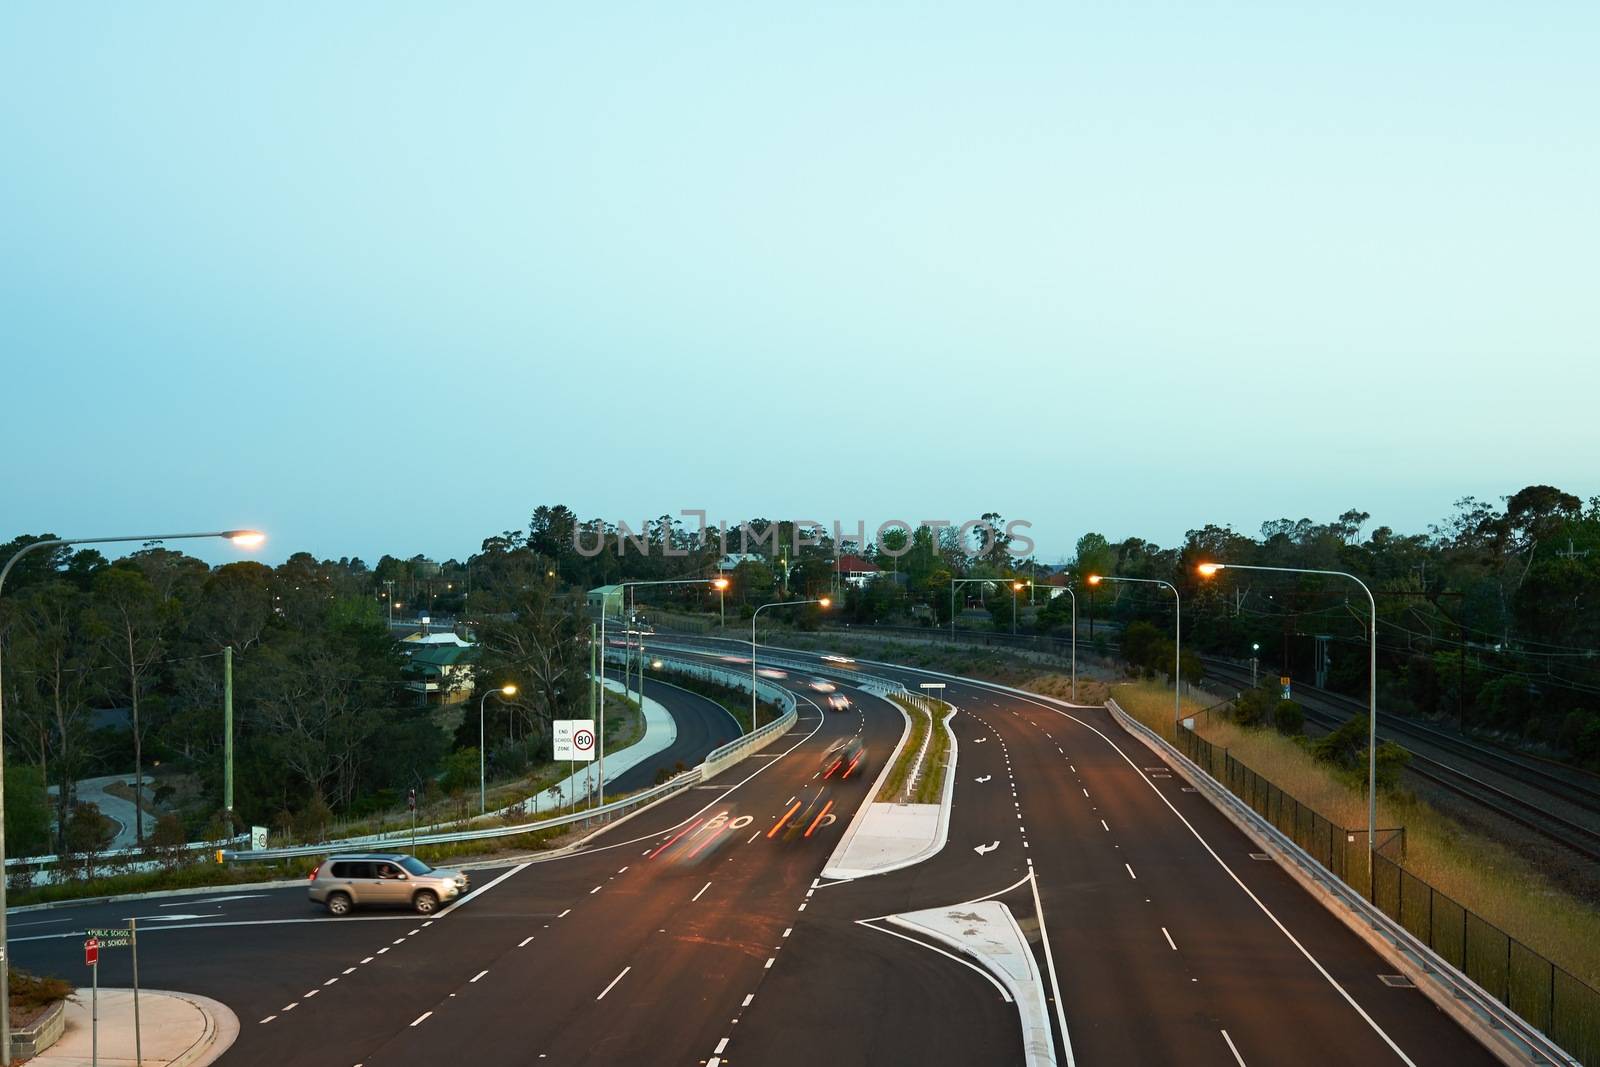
(383, 879)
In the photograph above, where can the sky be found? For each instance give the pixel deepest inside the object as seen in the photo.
(384, 277)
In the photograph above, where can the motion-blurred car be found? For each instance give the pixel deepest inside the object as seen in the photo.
(830, 658)
(838, 702)
(843, 758)
(805, 816)
(822, 685)
(382, 879)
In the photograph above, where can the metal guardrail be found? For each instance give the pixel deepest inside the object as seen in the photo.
(1483, 1003)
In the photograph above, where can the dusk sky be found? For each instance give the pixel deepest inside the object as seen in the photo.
(383, 277)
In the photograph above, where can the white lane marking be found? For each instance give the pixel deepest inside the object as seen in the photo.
(1284, 930)
(367, 960)
(477, 976)
(593, 891)
(484, 888)
(720, 1046)
(382, 950)
(614, 981)
(788, 930)
(1103, 824)
(290, 1007)
(399, 941)
(311, 994)
(748, 997)
(332, 980)
(268, 1019)
(770, 961)
(348, 970)
(698, 895)
(524, 942)
(564, 914)
(870, 925)
(1135, 877)
(1085, 792)
(1169, 938)
(754, 836)
(414, 933)
(419, 1019)
(623, 871)
(1236, 1057)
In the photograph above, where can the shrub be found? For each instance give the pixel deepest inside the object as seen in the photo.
(1288, 718)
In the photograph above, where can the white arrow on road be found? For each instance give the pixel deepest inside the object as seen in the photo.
(985, 778)
(981, 849)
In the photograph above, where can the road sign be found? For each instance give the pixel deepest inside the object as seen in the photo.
(110, 937)
(574, 739)
(91, 952)
(258, 838)
(931, 685)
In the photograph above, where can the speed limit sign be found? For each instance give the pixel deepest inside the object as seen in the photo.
(574, 739)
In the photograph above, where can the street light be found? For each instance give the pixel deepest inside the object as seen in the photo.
(824, 601)
(1177, 637)
(1016, 587)
(241, 538)
(721, 586)
(504, 691)
(1255, 658)
(1209, 570)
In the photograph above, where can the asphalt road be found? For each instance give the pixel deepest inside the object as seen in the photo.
(639, 948)
(688, 935)
(703, 725)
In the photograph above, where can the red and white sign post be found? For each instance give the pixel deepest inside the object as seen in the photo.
(91, 959)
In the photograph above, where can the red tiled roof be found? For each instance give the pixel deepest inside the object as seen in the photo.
(856, 565)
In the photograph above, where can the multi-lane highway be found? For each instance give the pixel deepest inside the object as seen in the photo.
(689, 935)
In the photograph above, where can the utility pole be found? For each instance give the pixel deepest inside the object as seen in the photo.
(227, 733)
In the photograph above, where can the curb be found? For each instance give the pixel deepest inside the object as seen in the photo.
(941, 833)
(1038, 1042)
(849, 835)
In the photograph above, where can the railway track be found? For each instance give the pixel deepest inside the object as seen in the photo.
(1329, 711)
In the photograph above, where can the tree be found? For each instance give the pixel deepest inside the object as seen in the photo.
(127, 623)
(27, 811)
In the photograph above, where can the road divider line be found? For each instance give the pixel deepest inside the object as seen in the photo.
(1169, 938)
(614, 982)
(524, 942)
(698, 895)
(484, 888)
(1135, 877)
(477, 976)
(421, 1018)
(1236, 1057)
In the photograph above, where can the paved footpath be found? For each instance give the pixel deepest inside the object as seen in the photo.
(175, 1030)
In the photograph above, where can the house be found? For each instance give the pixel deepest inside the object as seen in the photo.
(853, 570)
(730, 563)
(441, 668)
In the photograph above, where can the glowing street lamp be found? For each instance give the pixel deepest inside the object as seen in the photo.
(1177, 636)
(504, 692)
(824, 602)
(1209, 570)
(240, 538)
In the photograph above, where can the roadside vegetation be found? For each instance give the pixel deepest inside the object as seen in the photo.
(917, 776)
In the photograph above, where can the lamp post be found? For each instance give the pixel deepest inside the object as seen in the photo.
(716, 583)
(1255, 658)
(824, 601)
(1177, 636)
(483, 795)
(243, 538)
(1209, 570)
(1016, 587)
